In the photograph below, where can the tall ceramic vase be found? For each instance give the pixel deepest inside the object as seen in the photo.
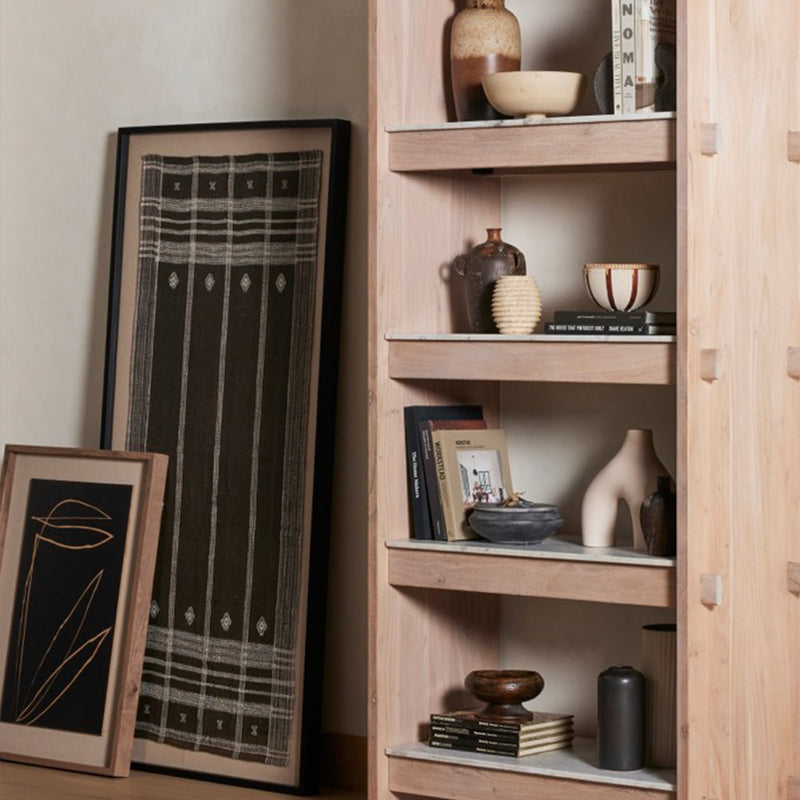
(631, 475)
(485, 38)
(659, 665)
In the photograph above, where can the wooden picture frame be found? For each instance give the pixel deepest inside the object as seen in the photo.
(78, 538)
(223, 353)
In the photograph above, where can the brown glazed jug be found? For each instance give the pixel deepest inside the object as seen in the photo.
(485, 38)
(481, 268)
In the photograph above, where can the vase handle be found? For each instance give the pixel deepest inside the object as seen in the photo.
(460, 266)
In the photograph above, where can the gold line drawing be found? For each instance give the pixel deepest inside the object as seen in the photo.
(67, 527)
(39, 700)
(90, 590)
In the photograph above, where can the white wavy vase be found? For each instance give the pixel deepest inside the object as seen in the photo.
(631, 475)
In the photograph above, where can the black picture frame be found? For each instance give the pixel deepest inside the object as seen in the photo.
(263, 216)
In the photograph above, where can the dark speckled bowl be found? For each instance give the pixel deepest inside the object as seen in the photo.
(527, 523)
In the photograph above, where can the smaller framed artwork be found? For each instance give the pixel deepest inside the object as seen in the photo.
(78, 538)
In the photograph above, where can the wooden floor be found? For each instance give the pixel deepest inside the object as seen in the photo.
(22, 782)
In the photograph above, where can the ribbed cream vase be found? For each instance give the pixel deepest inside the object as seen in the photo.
(659, 660)
(516, 305)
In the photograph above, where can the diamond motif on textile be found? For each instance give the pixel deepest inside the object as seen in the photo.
(209, 282)
(189, 615)
(245, 282)
(154, 609)
(261, 626)
(280, 282)
(174, 280)
(226, 621)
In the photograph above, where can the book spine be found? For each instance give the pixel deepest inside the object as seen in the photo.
(444, 719)
(417, 490)
(645, 57)
(498, 751)
(548, 733)
(435, 510)
(628, 56)
(476, 741)
(599, 329)
(624, 317)
(445, 501)
(474, 748)
(450, 731)
(616, 55)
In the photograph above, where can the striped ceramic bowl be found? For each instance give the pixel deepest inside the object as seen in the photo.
(621, 287)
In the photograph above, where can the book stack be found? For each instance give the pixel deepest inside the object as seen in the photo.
(422, 490)
(611, 323)
(643, 55)
(463, 730)
(453, 461)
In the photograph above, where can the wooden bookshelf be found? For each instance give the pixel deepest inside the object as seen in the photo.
(560, 774)
(557, 568)
(525, 146)
(570, 359)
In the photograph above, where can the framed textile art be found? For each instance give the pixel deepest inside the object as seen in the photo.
(78, 537)
(222, 353)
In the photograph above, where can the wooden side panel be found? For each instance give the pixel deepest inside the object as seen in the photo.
(738, 428)
(786, 476)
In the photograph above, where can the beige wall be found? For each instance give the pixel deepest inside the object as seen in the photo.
(71, 73)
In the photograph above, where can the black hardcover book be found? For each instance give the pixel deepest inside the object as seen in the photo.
(609, 329)
(421, 525)
(617, 317)
(501, 750)
(542, 720)
(487, 735)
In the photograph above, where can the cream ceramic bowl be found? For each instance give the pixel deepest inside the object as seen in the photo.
(621, 287)
(534, 94)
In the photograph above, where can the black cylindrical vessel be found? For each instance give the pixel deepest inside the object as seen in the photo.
(620, 719)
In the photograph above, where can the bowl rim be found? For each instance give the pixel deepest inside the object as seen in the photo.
(562, 73)
(620, 265)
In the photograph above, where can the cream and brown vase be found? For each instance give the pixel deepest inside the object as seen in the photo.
(485, 38)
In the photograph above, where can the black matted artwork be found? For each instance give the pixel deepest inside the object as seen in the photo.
(222, 354)
(65, 605)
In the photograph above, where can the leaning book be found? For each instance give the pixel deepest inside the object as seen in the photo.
(429, 473)
(419, 502)
(472, 467)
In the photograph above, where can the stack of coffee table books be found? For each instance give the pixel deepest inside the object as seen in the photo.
(464, 730)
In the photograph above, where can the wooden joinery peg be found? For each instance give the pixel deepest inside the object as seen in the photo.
(710, 139)
(710, 365)
(711, 590)
(793, 362)
(793, 579)
(793, 146)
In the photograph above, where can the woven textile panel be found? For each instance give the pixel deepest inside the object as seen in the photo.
(222, 382)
